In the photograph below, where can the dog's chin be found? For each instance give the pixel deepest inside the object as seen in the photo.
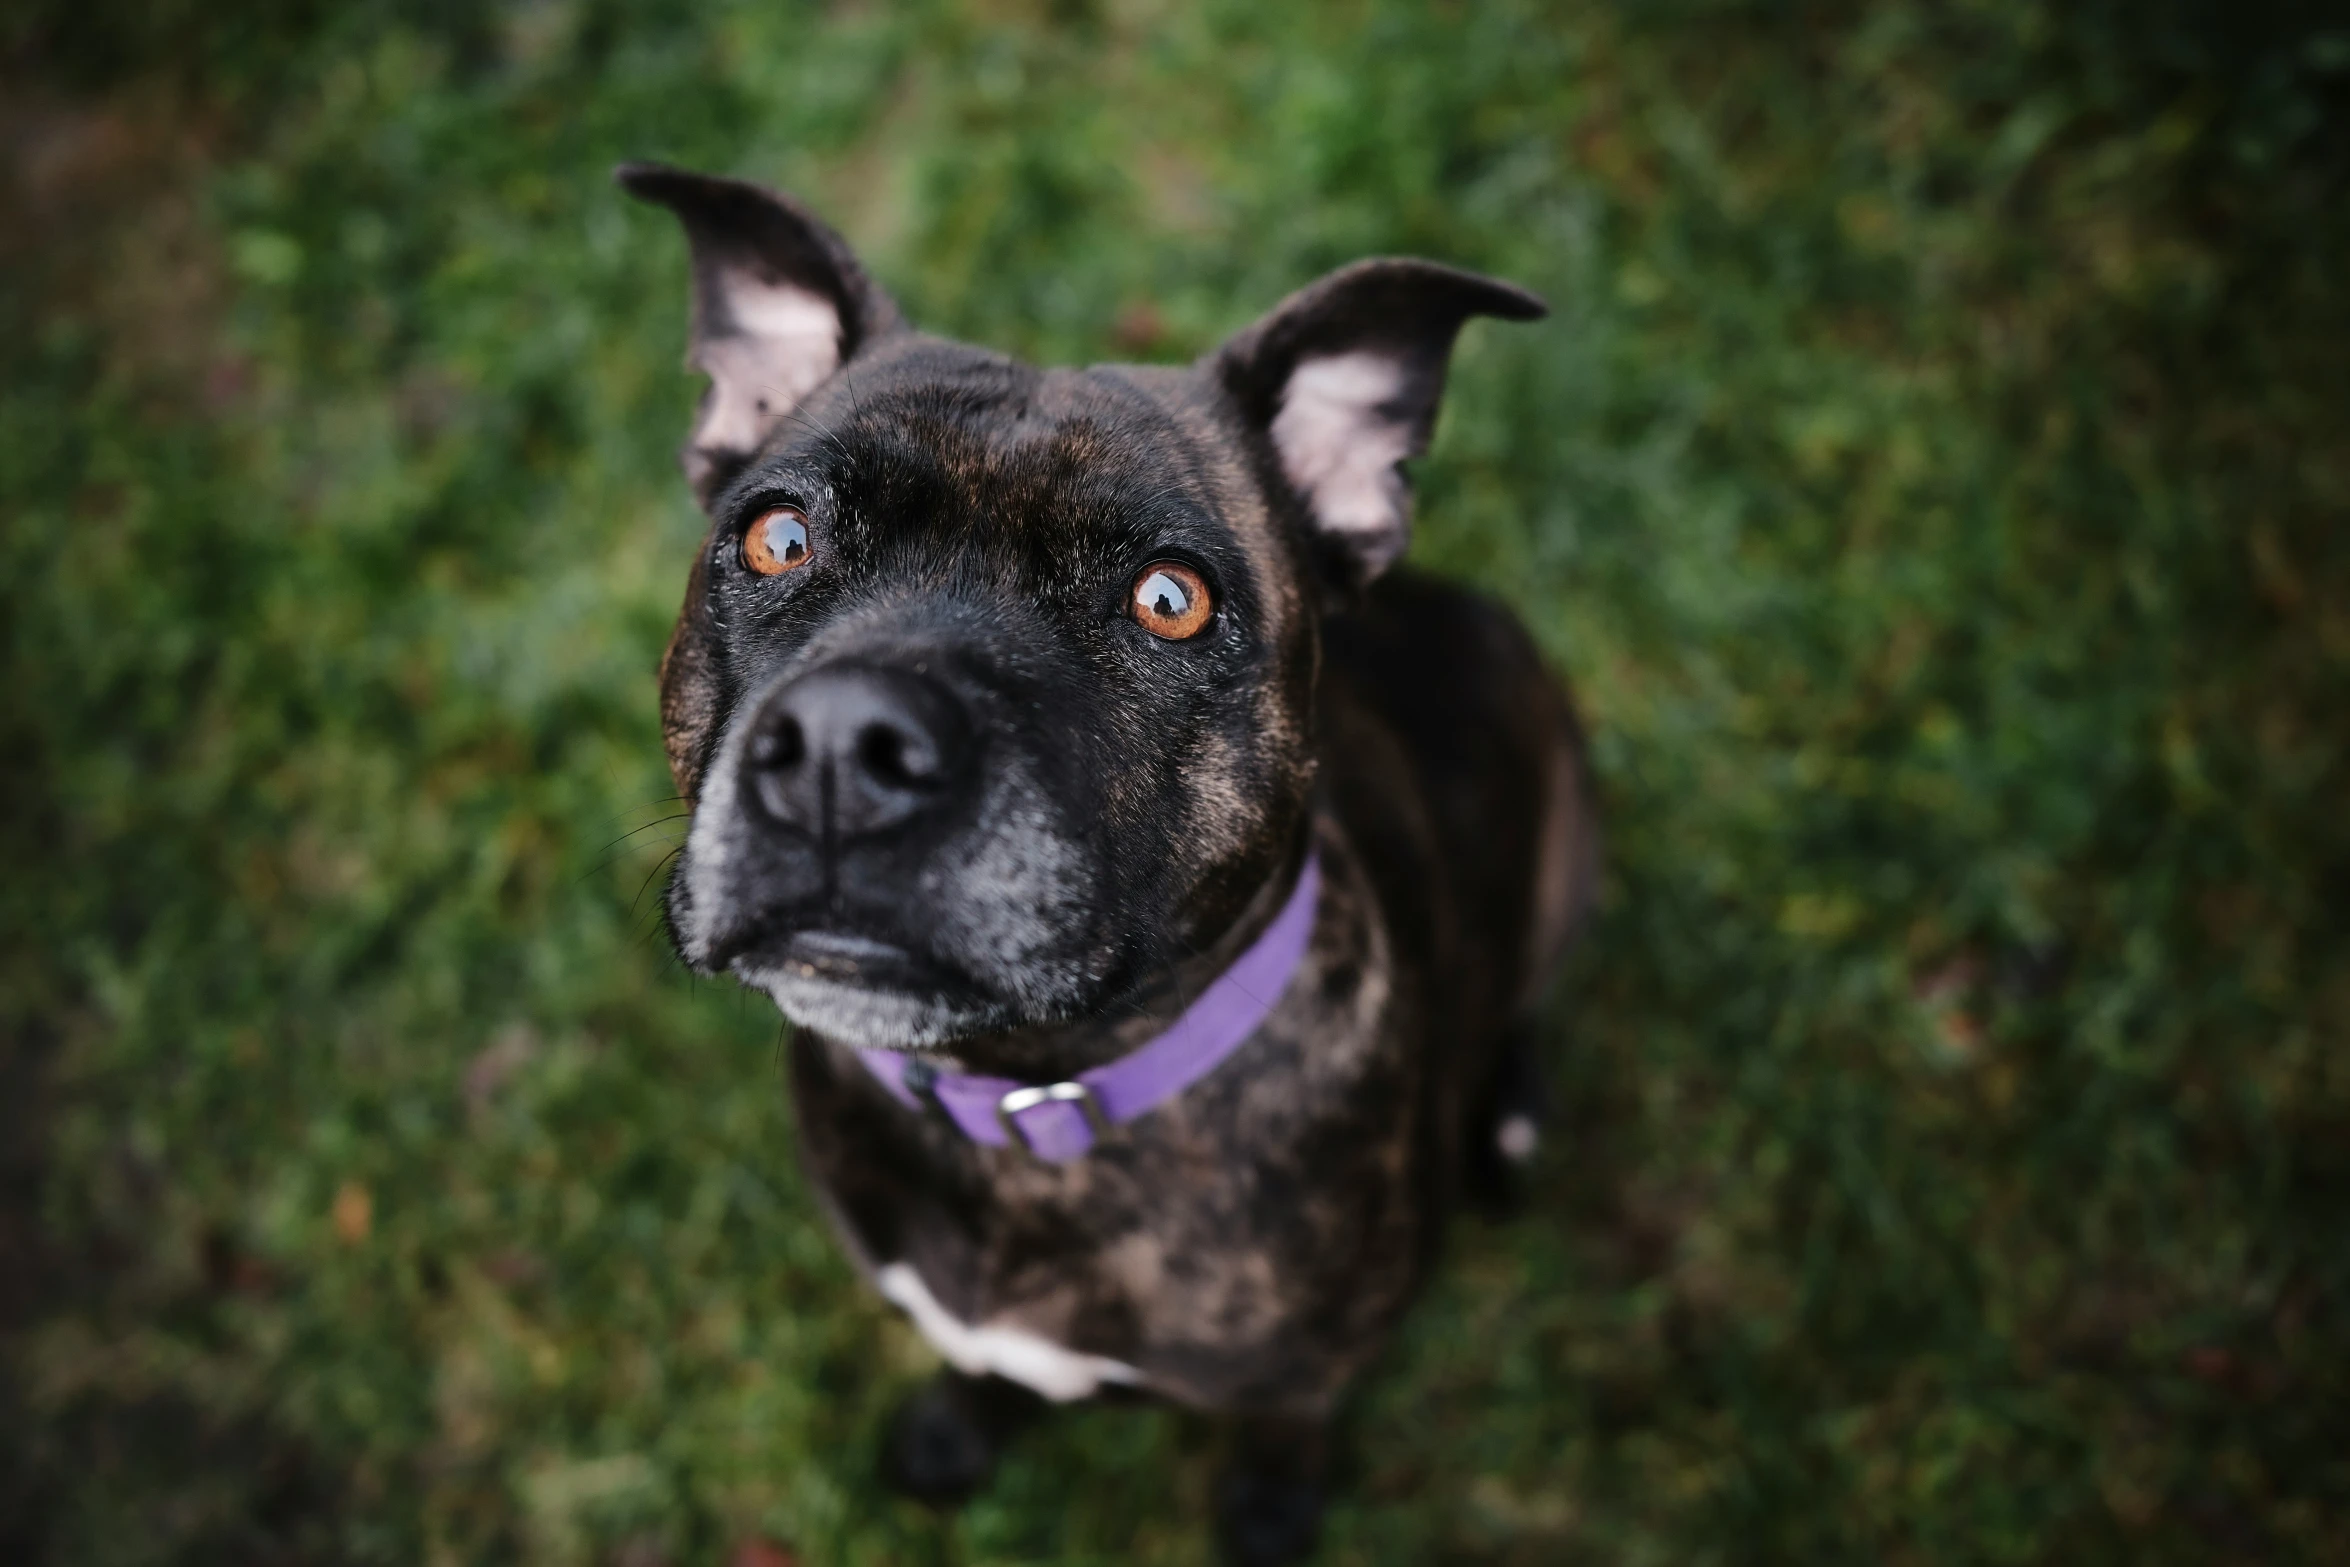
(870, 1018)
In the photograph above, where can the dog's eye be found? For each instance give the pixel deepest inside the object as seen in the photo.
(777, 542)
(1172, 601)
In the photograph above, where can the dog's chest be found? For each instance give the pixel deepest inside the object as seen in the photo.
(1191, 1276)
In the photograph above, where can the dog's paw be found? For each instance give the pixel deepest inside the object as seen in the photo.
(1266, 1520)
(944, 1441)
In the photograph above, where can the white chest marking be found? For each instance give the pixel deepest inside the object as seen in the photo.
(1015, 1353)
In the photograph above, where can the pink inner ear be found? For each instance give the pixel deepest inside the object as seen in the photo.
(1340, 440)
(783, 342)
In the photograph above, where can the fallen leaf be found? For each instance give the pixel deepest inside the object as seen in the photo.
(756, 1552)
(354, 1213)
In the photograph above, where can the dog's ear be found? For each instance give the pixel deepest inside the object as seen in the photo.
(1344, 377)
(779, 304)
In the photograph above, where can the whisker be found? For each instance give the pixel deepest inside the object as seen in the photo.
(627, 810)
(663, 864)
(825, 432)
(608, 858)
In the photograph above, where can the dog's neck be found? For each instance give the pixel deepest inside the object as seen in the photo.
(1050, 1052)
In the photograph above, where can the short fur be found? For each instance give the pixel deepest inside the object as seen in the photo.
(1119, 815)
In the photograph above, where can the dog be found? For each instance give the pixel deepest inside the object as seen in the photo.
(1160, 880)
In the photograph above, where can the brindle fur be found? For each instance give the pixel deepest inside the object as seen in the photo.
(1248, 1245)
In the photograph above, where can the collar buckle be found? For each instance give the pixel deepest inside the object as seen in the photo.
(1010, 1108)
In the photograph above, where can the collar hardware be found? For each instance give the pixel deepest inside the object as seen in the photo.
(1009, 1109)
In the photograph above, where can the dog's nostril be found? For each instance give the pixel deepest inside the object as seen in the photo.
(894, 757)
(782, 746)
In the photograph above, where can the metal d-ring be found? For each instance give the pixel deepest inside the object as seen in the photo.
(1009, 1108)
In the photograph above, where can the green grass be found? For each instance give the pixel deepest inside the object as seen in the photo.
(1935, 479)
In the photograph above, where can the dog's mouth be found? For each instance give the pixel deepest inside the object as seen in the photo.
(847, 958)
(862, 989)
(834, 951)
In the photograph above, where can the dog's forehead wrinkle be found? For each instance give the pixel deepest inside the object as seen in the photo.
(1062, 478)
(1068, 424)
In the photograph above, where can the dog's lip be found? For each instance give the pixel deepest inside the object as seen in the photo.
(841, 949)
(842, 956)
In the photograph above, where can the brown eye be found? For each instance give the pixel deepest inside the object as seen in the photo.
(777, 542)
(1171, 601)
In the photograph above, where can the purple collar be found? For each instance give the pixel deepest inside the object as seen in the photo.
(1060, 1121)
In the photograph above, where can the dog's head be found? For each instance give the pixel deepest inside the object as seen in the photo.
(993, 689)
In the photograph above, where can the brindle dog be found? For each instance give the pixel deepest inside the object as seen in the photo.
(1009, 703)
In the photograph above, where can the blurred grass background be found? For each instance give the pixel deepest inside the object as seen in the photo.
(1935, 479)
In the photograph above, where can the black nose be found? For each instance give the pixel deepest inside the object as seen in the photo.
(854, 750)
